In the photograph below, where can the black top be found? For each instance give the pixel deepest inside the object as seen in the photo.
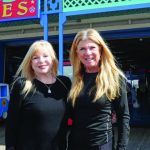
(37, 122)
(92, 123)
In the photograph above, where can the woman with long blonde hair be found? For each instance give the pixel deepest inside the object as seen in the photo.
(98, 86)
(36, 115)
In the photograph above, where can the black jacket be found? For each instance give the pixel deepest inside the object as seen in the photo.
(92, 121)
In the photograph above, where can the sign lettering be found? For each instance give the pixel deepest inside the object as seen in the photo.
(18, 9)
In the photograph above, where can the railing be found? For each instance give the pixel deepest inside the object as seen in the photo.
(77, 5)
(57, 6)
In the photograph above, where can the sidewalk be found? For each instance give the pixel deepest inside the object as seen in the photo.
(139, 138)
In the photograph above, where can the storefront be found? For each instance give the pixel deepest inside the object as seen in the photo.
(129, 43)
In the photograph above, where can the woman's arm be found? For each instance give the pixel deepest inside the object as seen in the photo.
(123, 117)
(12, 121)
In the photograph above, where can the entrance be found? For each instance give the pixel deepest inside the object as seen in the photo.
(133, 56)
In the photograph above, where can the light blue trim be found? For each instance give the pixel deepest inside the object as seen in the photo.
(62, 20)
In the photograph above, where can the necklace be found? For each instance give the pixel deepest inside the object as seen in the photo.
(47, 84)
(49, 89)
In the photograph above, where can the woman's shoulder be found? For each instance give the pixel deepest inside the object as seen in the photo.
(18, 82)
(64, 80)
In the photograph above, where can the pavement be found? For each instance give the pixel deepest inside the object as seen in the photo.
(139, 138)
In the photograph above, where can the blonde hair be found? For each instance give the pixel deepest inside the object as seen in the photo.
(25, 69)
(109, 74)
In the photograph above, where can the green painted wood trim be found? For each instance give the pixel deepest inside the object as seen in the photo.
(77, 5)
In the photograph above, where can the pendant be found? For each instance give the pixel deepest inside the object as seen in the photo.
(49, 91)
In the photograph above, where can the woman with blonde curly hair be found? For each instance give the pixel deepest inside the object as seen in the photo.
(36, 115)
(98, 87)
